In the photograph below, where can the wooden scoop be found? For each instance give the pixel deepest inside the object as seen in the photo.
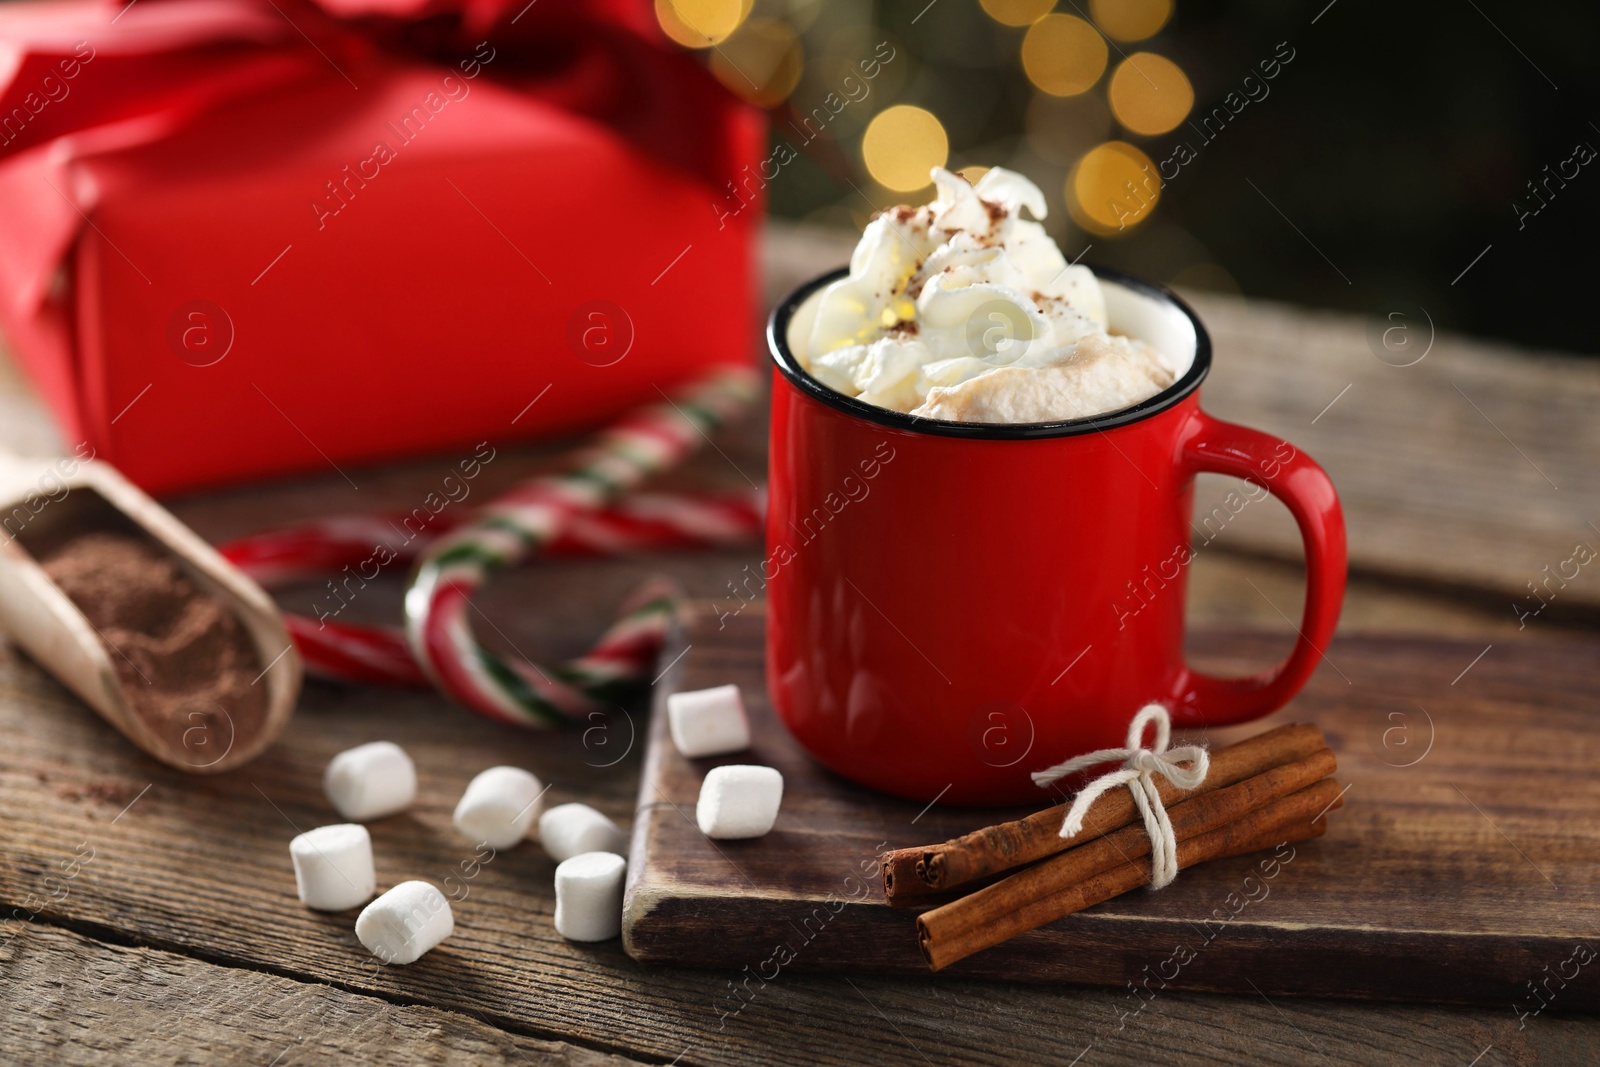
(44, 504)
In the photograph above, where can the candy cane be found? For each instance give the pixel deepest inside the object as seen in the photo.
(637, 524)
(508, 529)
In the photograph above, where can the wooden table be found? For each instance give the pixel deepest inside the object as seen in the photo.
(180, 939)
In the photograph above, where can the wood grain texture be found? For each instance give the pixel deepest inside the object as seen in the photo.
(1477, 467)
(75, 1000)
(1461, 865)
(200, 868)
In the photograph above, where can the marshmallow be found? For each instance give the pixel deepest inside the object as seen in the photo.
(738, 801)
(405, 922)
(371, 781)
(333, 867)
(569, 830)
(589, 896)
(708, 722)
(499, 806)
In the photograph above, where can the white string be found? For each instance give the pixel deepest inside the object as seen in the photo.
(1139, 767)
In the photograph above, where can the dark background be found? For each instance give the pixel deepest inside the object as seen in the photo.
(1397, 141)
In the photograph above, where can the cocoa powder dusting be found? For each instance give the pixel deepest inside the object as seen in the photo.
(899, 213)
(184, 659)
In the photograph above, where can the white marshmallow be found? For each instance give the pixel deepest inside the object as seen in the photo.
(499, 806)
(371, 781)
(708, 722)
(405, 922)
(333, 866)
(738, 800)
(569, 830)
(589, 896)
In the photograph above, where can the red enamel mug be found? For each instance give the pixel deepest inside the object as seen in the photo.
(952, 606)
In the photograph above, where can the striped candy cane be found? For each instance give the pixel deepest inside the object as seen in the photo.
(510, 528)
(634, 525)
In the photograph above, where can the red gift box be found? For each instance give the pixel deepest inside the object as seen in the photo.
(244, 239)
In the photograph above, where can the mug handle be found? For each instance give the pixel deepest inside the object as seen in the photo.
(1212, 446)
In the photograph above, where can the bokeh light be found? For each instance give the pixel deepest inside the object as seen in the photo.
(1063, 55)
(1018, 12)
(1112, 189)
(1130, 20)
(901, 145)
(762, 62)
(1059, 115)
(701, 23)
(1150, 94)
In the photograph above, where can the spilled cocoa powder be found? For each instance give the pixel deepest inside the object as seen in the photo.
(185, 660)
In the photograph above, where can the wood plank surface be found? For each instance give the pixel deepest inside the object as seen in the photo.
(199, 868)
(1461, 797)
(75, 999)
(196, 874)
(1474, 469)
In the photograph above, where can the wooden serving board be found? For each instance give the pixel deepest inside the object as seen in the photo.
(1464, 866)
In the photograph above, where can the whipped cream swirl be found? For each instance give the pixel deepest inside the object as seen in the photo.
(963, 310)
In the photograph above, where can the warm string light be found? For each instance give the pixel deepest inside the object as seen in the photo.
(1017, 12)
(1063, 55)
(701, 23)
(901, 145)
(1108, 190)
(1149, 94)
(1130, 20)
(1112, 189)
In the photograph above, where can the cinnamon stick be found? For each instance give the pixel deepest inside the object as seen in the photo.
(914, 872)
(1116, 882)
(983, 919)
(1199, 813)
(1190, 818)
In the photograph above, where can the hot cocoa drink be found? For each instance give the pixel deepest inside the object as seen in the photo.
(962, 310)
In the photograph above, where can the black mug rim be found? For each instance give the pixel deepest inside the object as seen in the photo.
(798, 376)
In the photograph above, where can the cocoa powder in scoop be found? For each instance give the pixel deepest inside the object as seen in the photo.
(185, 660)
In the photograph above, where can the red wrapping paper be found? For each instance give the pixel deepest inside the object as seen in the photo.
(241, 239)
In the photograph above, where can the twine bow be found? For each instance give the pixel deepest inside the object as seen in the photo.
(1139, 767)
